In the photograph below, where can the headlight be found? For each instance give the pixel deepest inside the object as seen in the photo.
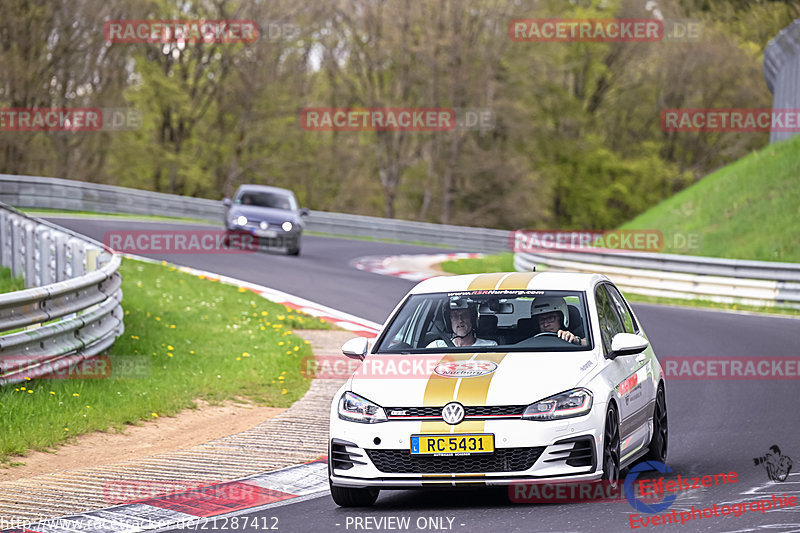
(354, 408)
(569, 404)
(287, 226)
(241, 220)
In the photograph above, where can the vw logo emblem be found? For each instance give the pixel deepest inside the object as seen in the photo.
(453, 413)
(264, 225)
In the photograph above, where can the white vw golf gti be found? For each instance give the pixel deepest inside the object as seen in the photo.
(496, 379)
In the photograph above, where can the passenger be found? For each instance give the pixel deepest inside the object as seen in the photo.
(463, 323)
(553, 316)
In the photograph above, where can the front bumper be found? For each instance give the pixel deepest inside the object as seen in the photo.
(378, 455)
(281, 239)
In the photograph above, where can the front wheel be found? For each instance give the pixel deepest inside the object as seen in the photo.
(350, 497)
(611, 470)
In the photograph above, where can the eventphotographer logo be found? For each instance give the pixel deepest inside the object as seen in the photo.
(778, 466)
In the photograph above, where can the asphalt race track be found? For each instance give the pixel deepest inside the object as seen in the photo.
(715, 426)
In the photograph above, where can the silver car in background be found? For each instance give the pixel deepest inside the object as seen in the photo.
(270, 214)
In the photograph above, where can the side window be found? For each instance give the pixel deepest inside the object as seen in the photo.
(610, 323)
(622, 309)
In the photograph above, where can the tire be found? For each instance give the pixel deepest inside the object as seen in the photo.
(611, 472)
(657, 450)
(350, 497)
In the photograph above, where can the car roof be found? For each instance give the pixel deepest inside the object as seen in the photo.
(553, 281)
(261, 188)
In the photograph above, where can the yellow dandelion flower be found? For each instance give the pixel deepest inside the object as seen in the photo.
(169, 347)
(264, 313)
(155, 415)
(148, 313)
(88, 406)
(281, 317)
(191, 352)
(284, 391)
(284, 372)
(164, 263)
(22, 388)
(307, 342)
(242, 289)
(172, 326)
(170, 354)
(296, 348)
(51, 392)
(262, 328)
(134, 337)
(158, 319)
(238, 358)
(27, 378)
(281, 343)
(66, 429)
(245, 354)
(75, 394)
(30, 391)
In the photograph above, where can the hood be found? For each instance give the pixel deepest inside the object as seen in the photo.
(259, 214)
(516, 378)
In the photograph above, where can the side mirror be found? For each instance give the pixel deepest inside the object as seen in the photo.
(356, 348)
(226, 202)
(304, 212)
(627, 344)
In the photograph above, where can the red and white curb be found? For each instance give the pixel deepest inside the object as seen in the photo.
(415, 267)
(194, 506)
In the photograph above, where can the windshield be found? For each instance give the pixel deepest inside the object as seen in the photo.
(267, 199)
(489, 321)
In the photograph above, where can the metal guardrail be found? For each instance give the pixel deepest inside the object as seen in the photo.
(730, 281)
(782, 73)
(71, 309)
(673, 276)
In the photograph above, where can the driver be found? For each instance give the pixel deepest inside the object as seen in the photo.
(553, 316)
(463, 323)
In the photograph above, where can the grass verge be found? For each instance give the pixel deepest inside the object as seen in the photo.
(44, 213)
(9, 283)
(186, 338)
(746, 210)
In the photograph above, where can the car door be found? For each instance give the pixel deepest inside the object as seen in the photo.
(625, 374)
(644, 360)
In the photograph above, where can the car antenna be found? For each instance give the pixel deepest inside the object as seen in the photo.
(534, 268)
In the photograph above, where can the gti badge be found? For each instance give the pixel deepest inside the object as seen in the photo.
(453, 413)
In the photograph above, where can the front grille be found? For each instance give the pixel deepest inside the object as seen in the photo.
(470, 411)
(502, 460)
